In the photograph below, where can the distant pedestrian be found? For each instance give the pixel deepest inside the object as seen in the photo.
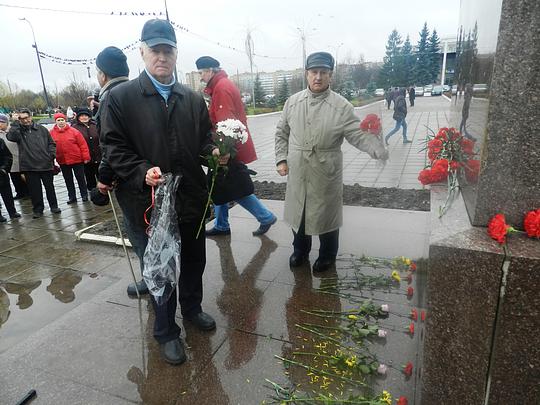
(388, 97)
(37, 152)
(400, 112)
(88, 128)
(72, 154)
(5, 188)
(412, 96)
(226, 103)
(467, 98)
(17, 179)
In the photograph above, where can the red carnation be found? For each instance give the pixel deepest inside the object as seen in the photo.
(411, 328)
(425, 176)
(454, 165)
(371, 124)
(498, 228)
(414, 314)
(407, 369)
(402, 401)
(423, 316)
(409, 278)
(413, 266)
(531, 223)
(435, 143)
(410, 292)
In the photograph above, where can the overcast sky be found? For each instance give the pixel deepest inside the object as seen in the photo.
(362, 27)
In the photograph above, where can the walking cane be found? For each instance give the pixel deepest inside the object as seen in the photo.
(123, 242)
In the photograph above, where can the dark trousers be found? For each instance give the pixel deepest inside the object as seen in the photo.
(192, 262)
(90, 173)
(67, 172)
(34, 180)
(20, 185)
(329, 242)
(411, 100)
(7, 196)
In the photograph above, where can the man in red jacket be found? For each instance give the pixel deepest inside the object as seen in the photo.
(226, 103)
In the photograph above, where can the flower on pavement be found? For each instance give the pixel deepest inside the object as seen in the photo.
(384, 308)
(408, 369)
(402, 401)
(414, 314)
(413, 266)
(410, 292)
(423, 316)
(396, 276)
(382, 333)
(382, 369)
(411, 328)
(386, 397)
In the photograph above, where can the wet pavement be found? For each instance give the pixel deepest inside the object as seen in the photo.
(70, 331)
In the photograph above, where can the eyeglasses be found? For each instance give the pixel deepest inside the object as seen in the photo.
(25, 118)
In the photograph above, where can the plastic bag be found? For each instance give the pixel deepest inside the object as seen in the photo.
(161, 260)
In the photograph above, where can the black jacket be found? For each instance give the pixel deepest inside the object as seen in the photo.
(90, 133)
(6, 159)
(400, 108)
(37, 149)
(139, 131)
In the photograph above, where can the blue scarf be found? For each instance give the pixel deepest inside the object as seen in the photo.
(163, 89)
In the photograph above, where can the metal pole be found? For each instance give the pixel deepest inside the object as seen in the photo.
(443, 72)
(123, 242)
(303, 38)
(39, 63)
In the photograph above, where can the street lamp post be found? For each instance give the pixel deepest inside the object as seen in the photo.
(336, 48)
(40, 69)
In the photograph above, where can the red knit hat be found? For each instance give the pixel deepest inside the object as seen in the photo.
(59, 115)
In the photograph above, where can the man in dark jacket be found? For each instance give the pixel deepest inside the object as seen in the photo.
(6, 160)
(153, 125)
(400, 112)
(412, 95)
(37, 151)
(88, 128)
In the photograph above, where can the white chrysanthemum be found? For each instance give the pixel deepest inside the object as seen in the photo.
(232, 128)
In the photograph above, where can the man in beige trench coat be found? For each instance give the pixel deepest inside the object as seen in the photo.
(308, 141)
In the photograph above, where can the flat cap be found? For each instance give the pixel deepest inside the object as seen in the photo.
(158, 32)
(206, 62)
(320, 60)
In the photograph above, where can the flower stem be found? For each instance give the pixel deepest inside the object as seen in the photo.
(214, 175)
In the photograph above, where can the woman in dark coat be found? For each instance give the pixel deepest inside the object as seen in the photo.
(88, 128)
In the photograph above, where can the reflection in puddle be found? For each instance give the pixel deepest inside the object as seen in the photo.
(23, 290)
(62, 286)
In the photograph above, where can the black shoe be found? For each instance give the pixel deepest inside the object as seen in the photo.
(386, 141)
(56, 210)
(321, 265)
(173, 351)
(203, 321)
(133, 287)
(15, 215)
(3, 219)
(297, 259)
(72, 201)
(37, 215)
(405, 141)
(264, 228)
(217, 232)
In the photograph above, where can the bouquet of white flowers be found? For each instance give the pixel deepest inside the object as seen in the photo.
(229, 133)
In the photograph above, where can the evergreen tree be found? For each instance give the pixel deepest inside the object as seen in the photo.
(423, 62)
(407, 77)
(259, 91)
(434, 56)
(392, 67)
(283, 93)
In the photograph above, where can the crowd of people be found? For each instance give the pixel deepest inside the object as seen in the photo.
(137, 130)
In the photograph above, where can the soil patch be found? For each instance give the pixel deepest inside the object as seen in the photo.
(356, 195)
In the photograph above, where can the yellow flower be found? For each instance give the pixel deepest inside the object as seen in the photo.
(408, 262)
(396, 276)
(386, 397)
(351, 361)
(353, 317)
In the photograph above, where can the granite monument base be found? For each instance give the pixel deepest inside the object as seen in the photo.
(482, 338)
